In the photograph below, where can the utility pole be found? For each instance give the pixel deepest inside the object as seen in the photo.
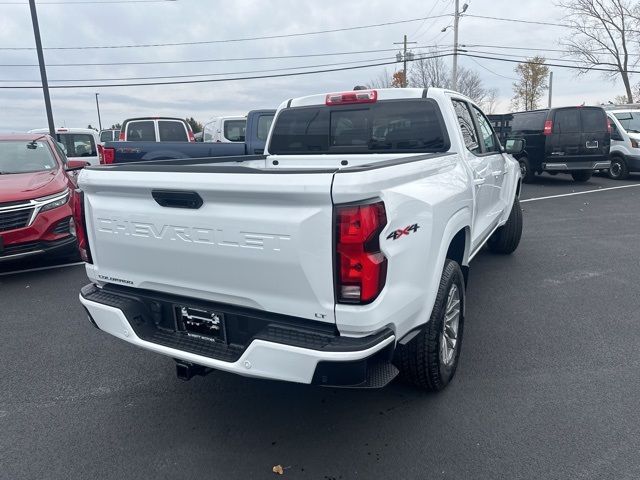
(550, 87)
(454, 73)
(406, 56)
(456, 20)
(98, 107)
(43, 70)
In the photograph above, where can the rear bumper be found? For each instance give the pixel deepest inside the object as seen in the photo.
(568, 166)
(278, 351)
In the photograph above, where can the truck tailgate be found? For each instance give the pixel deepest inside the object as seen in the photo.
(259, 240)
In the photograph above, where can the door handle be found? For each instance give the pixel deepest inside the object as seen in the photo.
(479, 181)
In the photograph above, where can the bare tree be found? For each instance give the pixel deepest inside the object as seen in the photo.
(427, 71)
(532, 83)
(434, 72)
(383, 80)
(603, 33)
(470, 84)
(490, 102)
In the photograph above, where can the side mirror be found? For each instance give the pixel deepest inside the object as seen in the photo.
(515, 146)
(73, 165)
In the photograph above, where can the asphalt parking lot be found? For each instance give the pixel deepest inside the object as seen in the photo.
(547, 386)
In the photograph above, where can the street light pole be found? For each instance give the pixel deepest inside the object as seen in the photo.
(43, 70)
(98, 107)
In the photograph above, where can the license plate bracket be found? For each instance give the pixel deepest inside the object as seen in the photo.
(201, 323)
(592, 144)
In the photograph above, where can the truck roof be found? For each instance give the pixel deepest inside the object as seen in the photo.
(381, 94)
(66, 130)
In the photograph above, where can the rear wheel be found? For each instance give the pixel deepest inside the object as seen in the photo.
(618, 169)
(506, 239)
(528, 175)
(581, 175)
(431, 358)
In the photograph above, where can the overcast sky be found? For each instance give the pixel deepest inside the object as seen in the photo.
(199, 20)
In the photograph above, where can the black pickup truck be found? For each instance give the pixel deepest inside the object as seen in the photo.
(258, 125)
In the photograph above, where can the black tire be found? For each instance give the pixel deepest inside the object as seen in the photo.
(618, 169)
(581, 175)
(528, 175)
(421, 360)
(506, 239)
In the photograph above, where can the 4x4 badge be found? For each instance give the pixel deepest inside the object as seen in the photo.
(401, 232)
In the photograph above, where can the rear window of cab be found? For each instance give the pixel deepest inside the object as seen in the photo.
(391, 126)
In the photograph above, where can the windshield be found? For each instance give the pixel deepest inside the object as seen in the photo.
(24, 157)
(392, 126)
(629, 121)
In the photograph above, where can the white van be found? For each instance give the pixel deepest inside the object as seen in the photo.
(225, 130)
(77, 143)
(625, 141)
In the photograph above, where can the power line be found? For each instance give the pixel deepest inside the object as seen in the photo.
(216, 80)
(312, 72)
(491, 71)
(168, 62)
(233, 40)
(573, 67)
(206, 74)
(517, 20)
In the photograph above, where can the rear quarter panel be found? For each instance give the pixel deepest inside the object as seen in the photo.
(433, 193)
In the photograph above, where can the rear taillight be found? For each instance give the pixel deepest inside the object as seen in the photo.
(361, 268)
(79, 226)
(634, 143)
(121, 136)
(609, 129)
(348, 98)
(100, 154)
(108, 156)
(548, 127)
(191, 137)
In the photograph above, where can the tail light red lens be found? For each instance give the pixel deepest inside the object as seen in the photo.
(121, 136)
(548, 127)
(108, 156)
(80, 226)
(361, 268)
(609, 129)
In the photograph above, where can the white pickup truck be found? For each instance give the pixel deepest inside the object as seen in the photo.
(340, 257)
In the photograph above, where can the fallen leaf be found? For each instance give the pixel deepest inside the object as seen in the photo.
(278, 469)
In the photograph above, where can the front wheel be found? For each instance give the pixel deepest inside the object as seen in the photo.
(431, 358)
(581, 175)
(506, 239)
(618, 169)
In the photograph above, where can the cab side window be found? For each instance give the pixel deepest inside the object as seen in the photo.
(467, 127)
(487, 136)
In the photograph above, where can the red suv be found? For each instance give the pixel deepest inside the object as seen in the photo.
(36, 194)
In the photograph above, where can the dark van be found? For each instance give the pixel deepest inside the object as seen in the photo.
(571, 140)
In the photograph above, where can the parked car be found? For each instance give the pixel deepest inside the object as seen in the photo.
(77, 143)
(258, 124)
(571, 140)
(625, 141)
(36, 192)
(338, 259)
(111, 135)
(225, 130)
(156, 129)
